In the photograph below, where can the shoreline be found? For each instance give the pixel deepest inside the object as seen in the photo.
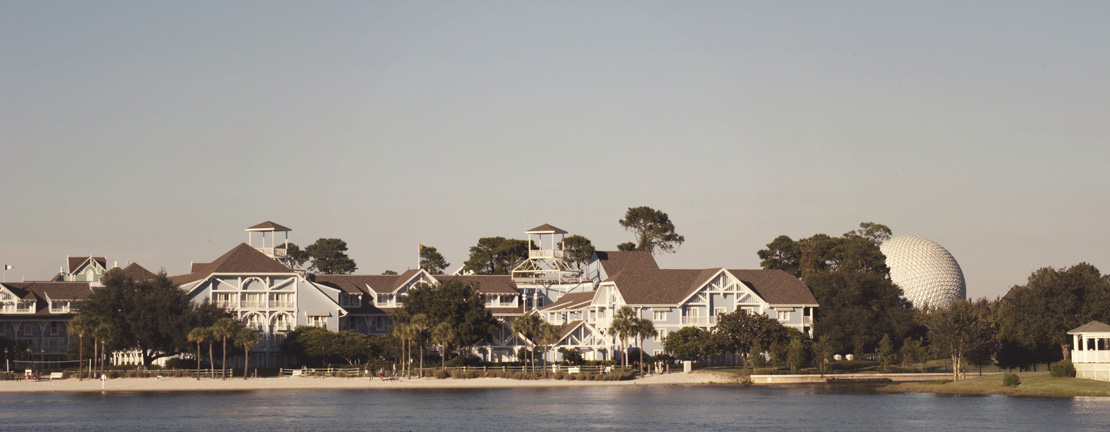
(331, 383)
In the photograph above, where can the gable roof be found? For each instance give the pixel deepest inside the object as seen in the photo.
(42, 291)
(571, 301)
(776, 286)
(1091, 327)
(194, 267)
(354, 284)
(487, 284)
(269, 226)
(567, 328)
(240, 259)
(545, 229)
(616, 262)
(76, 262)
(660, 286)
(137, 272)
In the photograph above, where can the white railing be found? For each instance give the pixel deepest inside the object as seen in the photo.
(225, 304)
(1090, 356)
(254, 304)
(545, 254)
(699, 320)
(281, 304)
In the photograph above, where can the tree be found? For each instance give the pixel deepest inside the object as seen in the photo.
(224, 329)
(389, 273)
(623, 326)
(444, 335)
(643, 328)
(247, 338)
(198, 335)
(653, 229)
(496, 255)
(755, 357)
(578, 250)
(796, 353)
(850, 280)
(739, 330)
(147, 316)
(420, 325)
(886, 353)
(432, 261)
(329, 256)
(912, 352)
(294, 255)
(626, 246)
(782, 253)
(546, 335)
(80, 325)
(405, 333)
(528, 327)
(823, 353)
(1036, 316)
(454, 302)
(957, 331)
(686, 343)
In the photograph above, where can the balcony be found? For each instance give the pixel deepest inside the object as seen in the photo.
(18, 306)
(704, 321)
(545, 254)
(1090, 356)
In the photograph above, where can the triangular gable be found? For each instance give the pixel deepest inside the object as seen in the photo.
(408, 280)
(605, 292)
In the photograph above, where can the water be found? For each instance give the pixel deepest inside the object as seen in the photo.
(670, 408)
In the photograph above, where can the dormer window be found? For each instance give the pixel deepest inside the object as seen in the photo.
(350, 300)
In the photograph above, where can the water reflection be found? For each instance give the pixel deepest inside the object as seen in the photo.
(595, 408)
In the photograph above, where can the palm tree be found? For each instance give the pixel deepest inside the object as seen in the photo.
(546, 335)
(80, 325)
(247, 338)
(527, 325)
(403, 332)
(224, 329)
(198, 335)
(420, 324)
(444, 335)
(644, 328)
(103, 333)
(623, 326)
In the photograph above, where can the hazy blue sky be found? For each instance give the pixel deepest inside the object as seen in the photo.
(157, 131)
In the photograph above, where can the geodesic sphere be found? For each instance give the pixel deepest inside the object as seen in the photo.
(926, 272)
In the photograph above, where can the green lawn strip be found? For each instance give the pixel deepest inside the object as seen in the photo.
(1032, 384)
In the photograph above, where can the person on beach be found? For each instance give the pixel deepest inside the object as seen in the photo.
(381, 373)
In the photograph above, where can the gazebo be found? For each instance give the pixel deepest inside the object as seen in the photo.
(1091, 351)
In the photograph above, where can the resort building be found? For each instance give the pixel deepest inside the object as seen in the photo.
(672, 299)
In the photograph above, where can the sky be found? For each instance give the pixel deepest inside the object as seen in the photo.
(156, 132)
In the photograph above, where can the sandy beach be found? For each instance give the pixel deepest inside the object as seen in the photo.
(294, 383)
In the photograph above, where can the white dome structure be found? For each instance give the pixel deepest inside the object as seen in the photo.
(926, 272)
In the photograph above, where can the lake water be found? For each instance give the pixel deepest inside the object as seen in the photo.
(672, 408)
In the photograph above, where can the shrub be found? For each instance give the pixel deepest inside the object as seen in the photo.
(1010, 380)
(441, 374)
(1063, 368)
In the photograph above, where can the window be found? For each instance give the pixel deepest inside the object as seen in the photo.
(659, 315)
(28, 330)
(282, 322)
(784, 315)
(384, 299)
(718, 311)
(318, 321)
(349, 300)
(55, 328)
(281, 300)
(660, 335)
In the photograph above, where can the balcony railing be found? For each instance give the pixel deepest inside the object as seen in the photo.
(699, 320)
(1090, 356)
(545, 254)
(281, 304)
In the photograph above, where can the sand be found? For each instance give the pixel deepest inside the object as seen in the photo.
(287, 383)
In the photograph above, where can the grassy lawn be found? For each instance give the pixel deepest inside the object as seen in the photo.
(1032, 384)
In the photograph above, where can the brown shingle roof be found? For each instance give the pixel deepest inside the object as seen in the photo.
(660, 286)
(137, 272)
(615, 262)
(567, 328)
(269, 226)
(77, 262)
(545, 229)
(487, 284)
(354, 284)
(41, 291)
(240, 259)
(195, 267)
(571, 301)
(776, 286)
